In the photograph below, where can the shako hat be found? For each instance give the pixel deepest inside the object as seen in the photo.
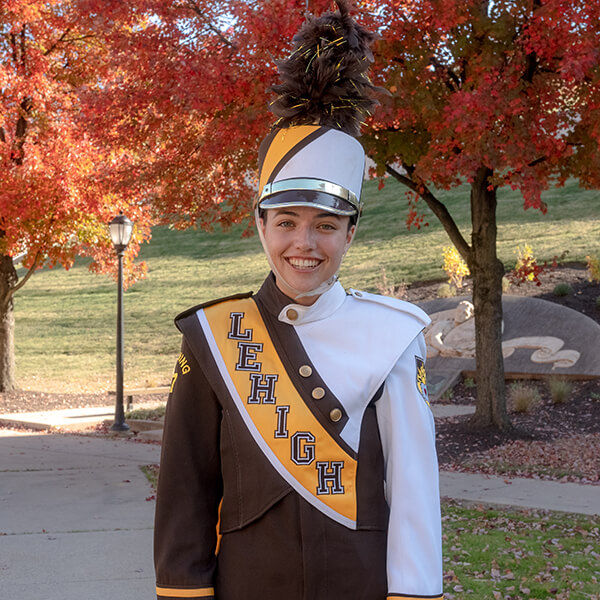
(312, 157)
(311, 165)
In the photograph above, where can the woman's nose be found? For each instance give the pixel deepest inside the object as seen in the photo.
(305, 238)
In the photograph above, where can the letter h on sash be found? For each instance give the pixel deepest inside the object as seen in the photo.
(330, 477)
(263, 388)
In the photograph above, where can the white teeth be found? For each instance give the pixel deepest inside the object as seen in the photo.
(303, 263)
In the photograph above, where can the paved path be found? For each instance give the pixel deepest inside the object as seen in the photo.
(75, 518)
(75, 521)
(521, 492)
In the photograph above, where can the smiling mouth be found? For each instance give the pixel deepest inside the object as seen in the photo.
(304, 263)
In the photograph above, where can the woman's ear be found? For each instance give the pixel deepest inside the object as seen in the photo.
(349, 237)
(260, 223)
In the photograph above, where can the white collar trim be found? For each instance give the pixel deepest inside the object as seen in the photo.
(326, 304)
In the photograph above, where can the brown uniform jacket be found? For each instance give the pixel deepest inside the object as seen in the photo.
(228, 525)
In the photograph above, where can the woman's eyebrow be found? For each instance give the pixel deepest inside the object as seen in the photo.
(321, 215)
(328, 214)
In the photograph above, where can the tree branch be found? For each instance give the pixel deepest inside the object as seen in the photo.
(17, 153)
(79, 38)
(531, 60)
(58, 41)
(13, 45)
(15, 288)
(195, 8)
(438, 209)
(537, 161)
(23, 54)
(451, 80)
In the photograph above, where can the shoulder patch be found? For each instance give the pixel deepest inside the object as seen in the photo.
(393, 303)
(421, 378)
(195, 309)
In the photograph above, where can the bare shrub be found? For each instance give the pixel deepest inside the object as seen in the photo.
(524, 397)
(388, 288)
(445, 290)
(560, 390)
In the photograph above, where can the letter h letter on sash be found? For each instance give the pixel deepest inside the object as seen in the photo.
(263, 388)
(330, 477)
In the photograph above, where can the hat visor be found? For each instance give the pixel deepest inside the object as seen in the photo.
(310, 198)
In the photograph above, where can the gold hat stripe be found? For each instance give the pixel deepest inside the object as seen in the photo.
(284, 141)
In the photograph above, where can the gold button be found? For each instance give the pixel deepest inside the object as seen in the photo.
(292, 314)
(335, 415)
(305, 371)
(318, 393)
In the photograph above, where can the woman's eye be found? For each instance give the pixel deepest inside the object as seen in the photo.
(328, 226)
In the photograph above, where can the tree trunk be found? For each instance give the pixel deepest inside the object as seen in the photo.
(8, 279)
(487, 271)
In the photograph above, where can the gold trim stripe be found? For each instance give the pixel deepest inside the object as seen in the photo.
(299, 418)
(189, 593)
(403, 597)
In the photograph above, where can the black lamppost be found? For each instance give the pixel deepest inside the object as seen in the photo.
(120, 232)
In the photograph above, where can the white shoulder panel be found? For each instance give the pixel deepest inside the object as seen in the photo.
(394, 303)
(356, 347)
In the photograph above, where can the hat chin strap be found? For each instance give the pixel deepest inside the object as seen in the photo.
(320, 289)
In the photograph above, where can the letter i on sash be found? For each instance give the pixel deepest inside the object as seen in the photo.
(282, 413)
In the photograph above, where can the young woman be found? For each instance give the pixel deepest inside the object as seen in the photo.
(298, 455)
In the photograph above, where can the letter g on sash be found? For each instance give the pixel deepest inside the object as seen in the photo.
(303, 447)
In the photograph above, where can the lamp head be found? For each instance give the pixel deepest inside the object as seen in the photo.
(120, 229)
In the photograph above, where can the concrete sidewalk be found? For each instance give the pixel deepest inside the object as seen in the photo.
(521, 492)
(69, 419)
(75, 521)
(76, 518)
(78, 419)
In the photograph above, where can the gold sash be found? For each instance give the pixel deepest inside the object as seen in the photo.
(286, 430)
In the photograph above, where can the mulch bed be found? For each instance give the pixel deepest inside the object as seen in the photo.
(552, 441)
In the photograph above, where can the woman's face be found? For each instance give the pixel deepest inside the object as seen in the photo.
(306, 246)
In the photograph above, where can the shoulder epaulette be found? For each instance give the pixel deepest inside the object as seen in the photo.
(194, 309)
(394, 303)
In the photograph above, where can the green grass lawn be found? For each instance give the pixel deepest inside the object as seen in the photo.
(491, 554)
(66, 321)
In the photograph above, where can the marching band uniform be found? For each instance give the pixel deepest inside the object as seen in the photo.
(357, 361)
(298, 456)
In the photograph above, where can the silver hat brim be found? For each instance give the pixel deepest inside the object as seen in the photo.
(313, 199)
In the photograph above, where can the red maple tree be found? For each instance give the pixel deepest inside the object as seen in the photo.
(502, 93)
(150, 107)
(158, 107)
(57, 193)
(190, 104)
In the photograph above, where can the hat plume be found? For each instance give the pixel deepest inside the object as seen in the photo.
(324, 80)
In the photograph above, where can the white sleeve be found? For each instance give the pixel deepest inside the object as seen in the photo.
(406, 425)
